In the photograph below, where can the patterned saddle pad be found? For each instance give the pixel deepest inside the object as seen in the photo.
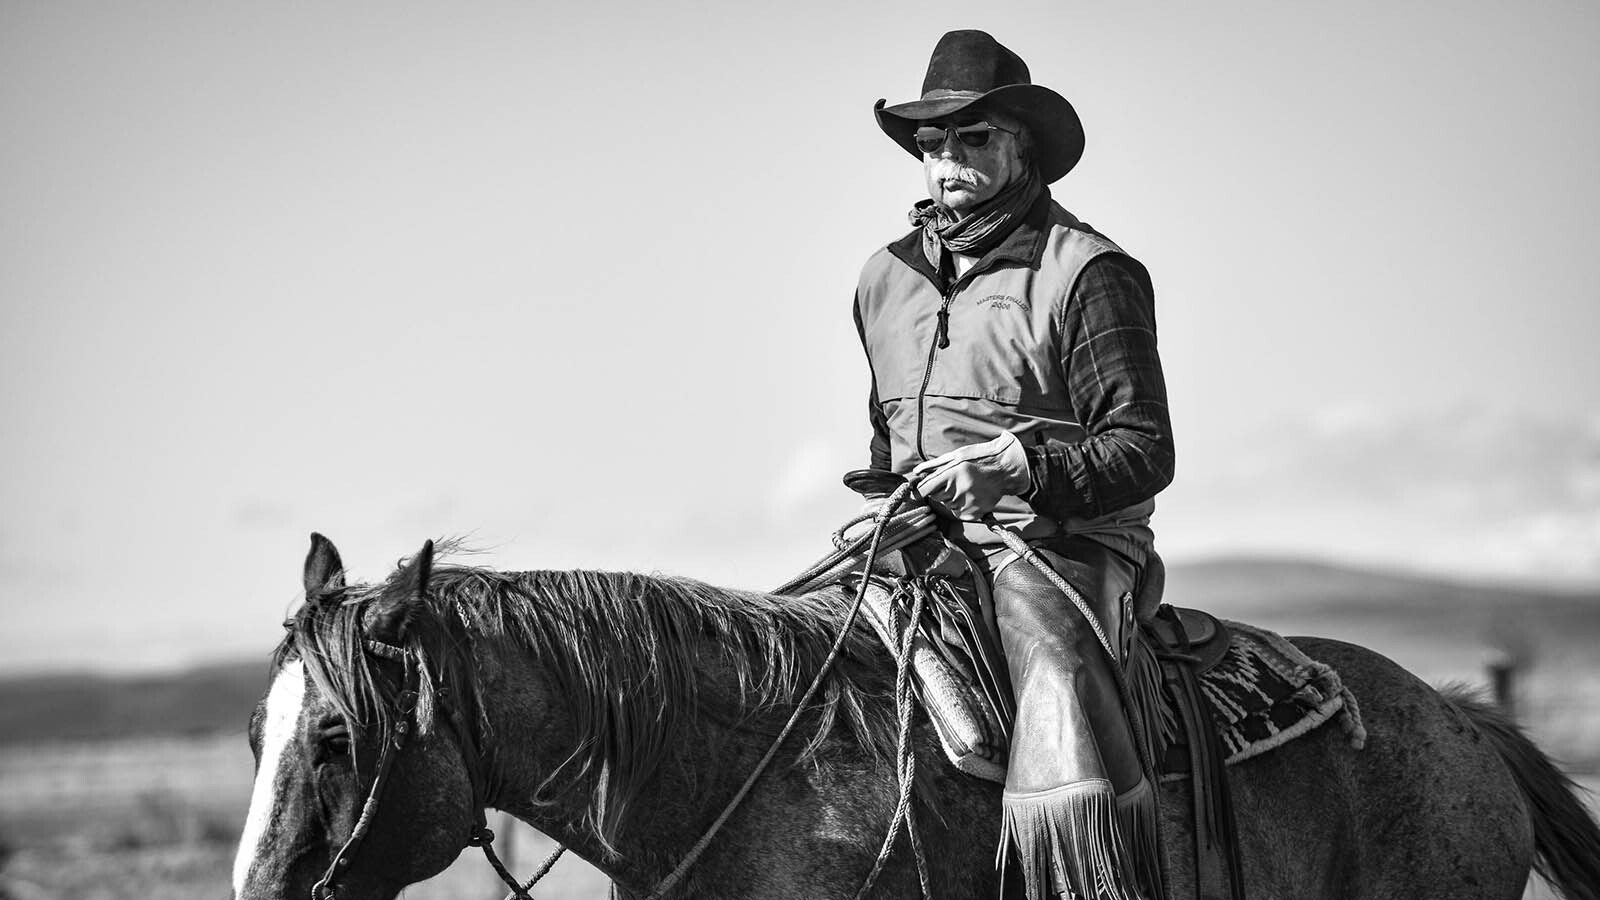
(1264, 693)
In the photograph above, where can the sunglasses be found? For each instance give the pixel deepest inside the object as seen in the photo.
(931, 137)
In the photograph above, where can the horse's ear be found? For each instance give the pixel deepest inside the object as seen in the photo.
(324, 569)
(389, 615)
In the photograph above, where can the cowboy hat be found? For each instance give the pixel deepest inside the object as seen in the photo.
(972, 69)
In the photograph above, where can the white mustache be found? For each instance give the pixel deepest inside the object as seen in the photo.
(949, 169)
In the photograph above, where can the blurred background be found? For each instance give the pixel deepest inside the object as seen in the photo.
(574, 282)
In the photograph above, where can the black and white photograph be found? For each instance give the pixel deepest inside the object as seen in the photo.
(917, 451)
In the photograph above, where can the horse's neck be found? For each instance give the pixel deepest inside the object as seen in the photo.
(532, 736)
(706, 763)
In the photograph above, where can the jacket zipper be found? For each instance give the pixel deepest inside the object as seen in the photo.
(941, 340)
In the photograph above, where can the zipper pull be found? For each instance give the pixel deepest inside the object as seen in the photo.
(944, 326)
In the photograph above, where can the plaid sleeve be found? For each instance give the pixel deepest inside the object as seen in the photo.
(878, 450)
(1113, 375)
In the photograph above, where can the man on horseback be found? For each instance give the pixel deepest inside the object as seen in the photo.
(1015, 378)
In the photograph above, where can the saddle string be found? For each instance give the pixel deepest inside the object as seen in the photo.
(905, 705)
(905, 757)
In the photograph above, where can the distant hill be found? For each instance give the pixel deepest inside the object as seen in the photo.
(1268, 584)
(1437, 628)
(204, 700)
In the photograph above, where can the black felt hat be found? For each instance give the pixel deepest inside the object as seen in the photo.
(972, 69)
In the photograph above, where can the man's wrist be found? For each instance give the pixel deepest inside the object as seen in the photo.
(1036, 465)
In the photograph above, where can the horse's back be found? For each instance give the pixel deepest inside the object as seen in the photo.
(1426, 809)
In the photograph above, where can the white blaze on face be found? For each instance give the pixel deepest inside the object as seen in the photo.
(284, 701)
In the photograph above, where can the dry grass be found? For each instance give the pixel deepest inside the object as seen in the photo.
(141, 818)
(171, 873)
(194, 871)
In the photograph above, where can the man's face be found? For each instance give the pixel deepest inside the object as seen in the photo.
(963, 177)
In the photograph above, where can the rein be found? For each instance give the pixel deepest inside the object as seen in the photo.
(879, 526)
(482, 836)
(906, 763)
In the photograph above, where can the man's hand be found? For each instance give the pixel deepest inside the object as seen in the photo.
(970, 480)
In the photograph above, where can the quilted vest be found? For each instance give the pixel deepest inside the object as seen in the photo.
(1000, 369)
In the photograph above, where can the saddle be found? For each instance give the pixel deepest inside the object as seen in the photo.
(961, 676)
(1188, 635)
(1186, 644)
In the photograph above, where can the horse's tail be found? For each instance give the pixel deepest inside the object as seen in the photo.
(1566, 839)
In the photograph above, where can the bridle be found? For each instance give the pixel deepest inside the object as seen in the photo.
(404, 719)
(405, 705)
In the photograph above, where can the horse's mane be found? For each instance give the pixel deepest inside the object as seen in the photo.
(627, 652)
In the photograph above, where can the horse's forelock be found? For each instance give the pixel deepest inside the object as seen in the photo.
(329, 636)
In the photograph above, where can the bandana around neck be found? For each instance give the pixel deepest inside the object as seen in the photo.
(983, 229)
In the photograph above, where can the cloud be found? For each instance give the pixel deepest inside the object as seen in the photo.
(424, 511)
(258, 514)
(1561, 545)
(810, 476)
(18, 572)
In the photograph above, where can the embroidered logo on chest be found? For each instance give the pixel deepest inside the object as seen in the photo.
(1004, 301)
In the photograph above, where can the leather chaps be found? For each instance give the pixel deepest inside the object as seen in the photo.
(1078, 808)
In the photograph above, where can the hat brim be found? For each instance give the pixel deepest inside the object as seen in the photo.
(1057, 132)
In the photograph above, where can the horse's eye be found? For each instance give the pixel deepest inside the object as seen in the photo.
(334, 743)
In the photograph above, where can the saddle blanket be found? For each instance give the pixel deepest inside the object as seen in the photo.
(1264, 693)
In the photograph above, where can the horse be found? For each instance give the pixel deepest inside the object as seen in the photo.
(618, 713)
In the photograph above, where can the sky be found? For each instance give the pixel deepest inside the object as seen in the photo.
(573, 281)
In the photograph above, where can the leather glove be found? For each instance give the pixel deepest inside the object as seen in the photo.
(968, 481)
